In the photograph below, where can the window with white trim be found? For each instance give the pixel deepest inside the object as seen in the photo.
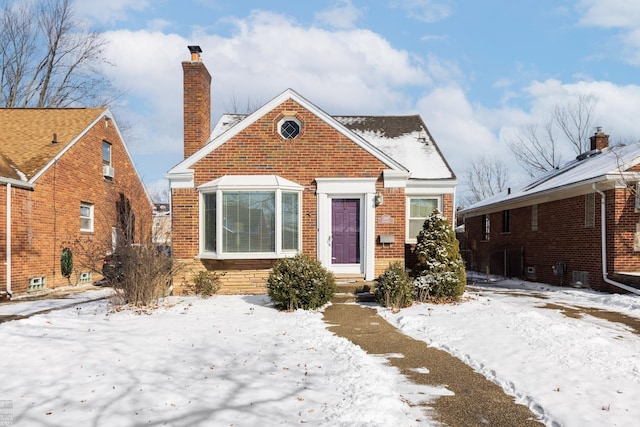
(86, 216)
(289, 127)
(106, 153)
(419, 208)
(262, 222)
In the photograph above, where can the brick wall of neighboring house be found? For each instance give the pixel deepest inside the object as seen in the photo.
(47, 219)
(564, 235)
(318, 151)
(624, 224)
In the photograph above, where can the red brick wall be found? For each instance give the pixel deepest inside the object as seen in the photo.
(561, 237)
(318, 151)
(197, 106)
(48, 218)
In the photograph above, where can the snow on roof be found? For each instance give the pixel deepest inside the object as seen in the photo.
(226, 122)
(403, 138)
(585, 169)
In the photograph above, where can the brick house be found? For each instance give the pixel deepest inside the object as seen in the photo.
(551, 229)
(352, 191)
(66, 180)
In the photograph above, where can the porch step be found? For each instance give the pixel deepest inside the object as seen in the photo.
(353, 291)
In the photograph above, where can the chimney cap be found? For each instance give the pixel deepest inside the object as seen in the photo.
(194, 49)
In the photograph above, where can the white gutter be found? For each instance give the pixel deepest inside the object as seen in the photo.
(9, 182)
(603, 223)
(8, 237)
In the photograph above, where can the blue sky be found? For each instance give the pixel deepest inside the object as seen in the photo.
(474, 70)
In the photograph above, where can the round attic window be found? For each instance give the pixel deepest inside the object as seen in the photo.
(289, 127)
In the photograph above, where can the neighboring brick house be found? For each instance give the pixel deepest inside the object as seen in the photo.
(550, 229)
(71, 182)
(351, 191)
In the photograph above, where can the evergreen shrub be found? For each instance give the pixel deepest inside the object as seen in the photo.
(439, 272)
(394, 287)
(300, 282)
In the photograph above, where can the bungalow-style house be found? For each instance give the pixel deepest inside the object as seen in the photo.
(351, 191)
(578, 225)
(66, 181)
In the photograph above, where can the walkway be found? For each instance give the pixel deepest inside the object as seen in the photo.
(476, 400)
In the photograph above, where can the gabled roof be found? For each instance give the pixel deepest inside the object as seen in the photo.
(404, 138)
(594, 167)
(402, 142)
(223, 133)
(26, 136)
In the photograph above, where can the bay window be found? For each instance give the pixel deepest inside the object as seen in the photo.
(250, 217)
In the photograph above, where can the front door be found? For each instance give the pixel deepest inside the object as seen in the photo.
(345, 231)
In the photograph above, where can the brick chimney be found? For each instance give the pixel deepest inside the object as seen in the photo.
(197, 102)
(599, 140)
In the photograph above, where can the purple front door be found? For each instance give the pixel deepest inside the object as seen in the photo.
(345, 231)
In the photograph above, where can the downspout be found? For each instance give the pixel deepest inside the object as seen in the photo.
(8, 237)
(603, 228)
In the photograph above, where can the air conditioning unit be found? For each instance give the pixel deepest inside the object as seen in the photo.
(107, 171)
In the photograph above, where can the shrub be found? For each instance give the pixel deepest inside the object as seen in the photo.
(66, 263)
(205, 283)
(300, 282)
(143, 274)
(394, 287)
(439, 271)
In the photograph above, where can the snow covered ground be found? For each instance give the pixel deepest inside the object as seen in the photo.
(234, 360)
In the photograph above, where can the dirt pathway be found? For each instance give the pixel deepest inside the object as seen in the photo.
(477, 401)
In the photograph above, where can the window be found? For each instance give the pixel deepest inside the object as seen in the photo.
(506, 221)
(419, 210)
(264, 222)
(86, 216)
(590, 210)
(486, 227)
(289, 127)
(534, 218)
(106, 153)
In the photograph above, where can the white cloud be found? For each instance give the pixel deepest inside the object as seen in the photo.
(344, 72)
(343, 15)
(610, 13)
(623, 15)
(429, 11)
(109, 11)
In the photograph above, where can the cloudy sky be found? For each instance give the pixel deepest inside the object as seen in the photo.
(474, 70)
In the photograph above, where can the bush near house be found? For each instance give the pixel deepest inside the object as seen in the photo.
(300, 282)
(439, 272)
(394, 288)
(204, 283)
(140, 274)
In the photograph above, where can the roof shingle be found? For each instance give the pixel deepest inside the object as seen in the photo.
(26, 136)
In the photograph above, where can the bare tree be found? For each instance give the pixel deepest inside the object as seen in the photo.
(47, 59)
(234, 106)
(484, 178)
(537, 147)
